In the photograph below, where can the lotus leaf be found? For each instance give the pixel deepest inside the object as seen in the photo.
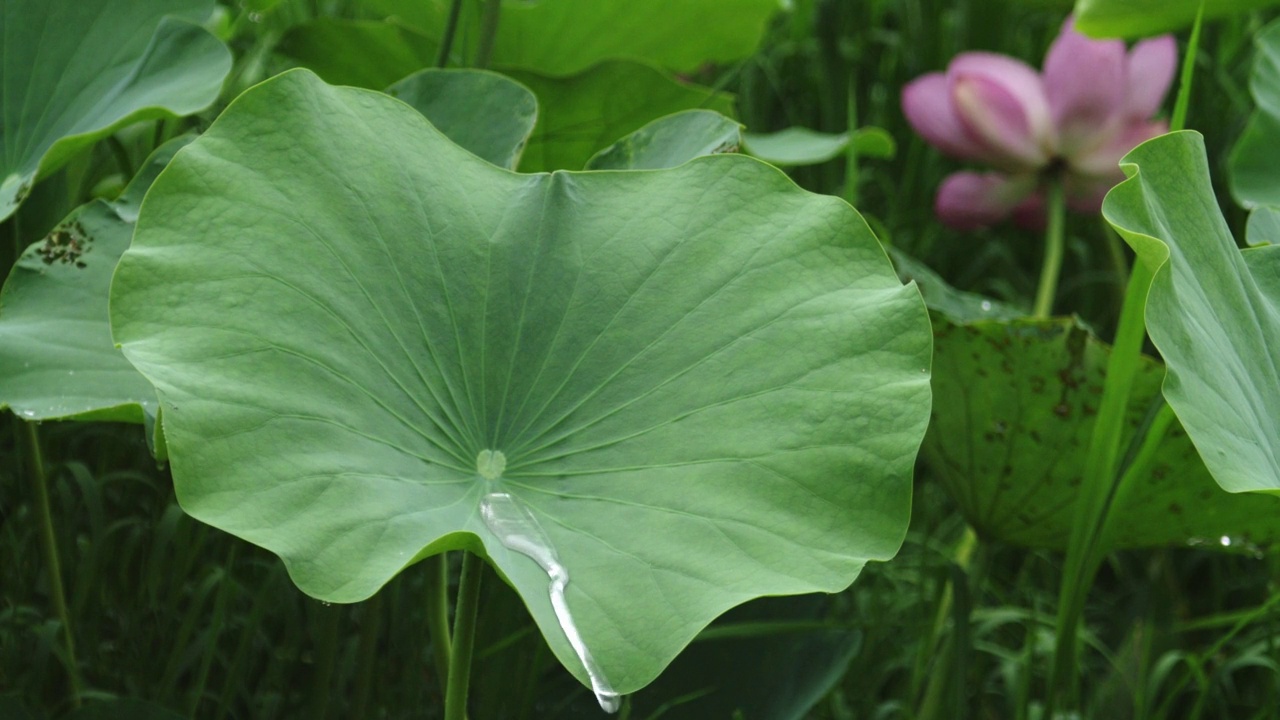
(686, 388)
(1213, 312)
(77, 71)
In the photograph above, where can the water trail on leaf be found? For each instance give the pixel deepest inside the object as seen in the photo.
(512, 523)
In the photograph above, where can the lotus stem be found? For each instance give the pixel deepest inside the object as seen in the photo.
(450, 29)
(1102, 482)
(464, 636)
(49, 547)
(438, 616)
(1179, 119)
(366, 657)
(488, 32)
(1053, 247)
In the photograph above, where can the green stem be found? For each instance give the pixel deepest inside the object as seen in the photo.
(121, 154)
(15, 226)
(851, 152)
(488, 32)
(49, 547)
(1102, 480)
(1179, 119)
(326, 660)
(225, 586)
(1116, 256)
(367, 656)
(945, 651)
(464, 636)
(1053, 246)
(438, 616)
(450, 29)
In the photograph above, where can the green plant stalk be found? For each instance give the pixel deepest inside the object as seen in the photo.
(947, 650)
(326, 661)
(15, 227)
(193, 618)
(851, 152)
(235, 671)
(1085, 548)
(1053, 248)
(1101, 479)
(225, 587)
(488, 32)
(121, 155)
(367, 656)
(831, 66)
(49, 548)
(464, 637)
(438, 616)
(1116, 256)
(1179, 119)
(450, 29)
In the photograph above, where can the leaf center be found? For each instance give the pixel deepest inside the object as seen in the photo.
(490, 464)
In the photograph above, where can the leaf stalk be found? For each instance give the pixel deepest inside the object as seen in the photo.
(466, 612)
(49, 548)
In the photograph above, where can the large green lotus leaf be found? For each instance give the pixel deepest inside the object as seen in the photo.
(1255, 179)
(1139, 18)
(564, 37)
(362, 53)
(583, 114)
(484, 112)
(57, 358)
(578, 115)
(670, 141)
(682, 388)
(1214, 316)
(1014, 406)
(76, 71)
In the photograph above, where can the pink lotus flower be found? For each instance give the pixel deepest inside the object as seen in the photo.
(1073, 122)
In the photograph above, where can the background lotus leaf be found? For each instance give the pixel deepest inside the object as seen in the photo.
(1014, 402)
(578, 115)
(484, 112)
(565, 37)
(1140, 18)
(706, 385)
(1255, 160)
(362, 53)
(585, 113)
(77, 71)
(57, 359)
(670, 141)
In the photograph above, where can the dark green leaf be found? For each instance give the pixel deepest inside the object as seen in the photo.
(1014, 406)
(57, 359)
(76, 71)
